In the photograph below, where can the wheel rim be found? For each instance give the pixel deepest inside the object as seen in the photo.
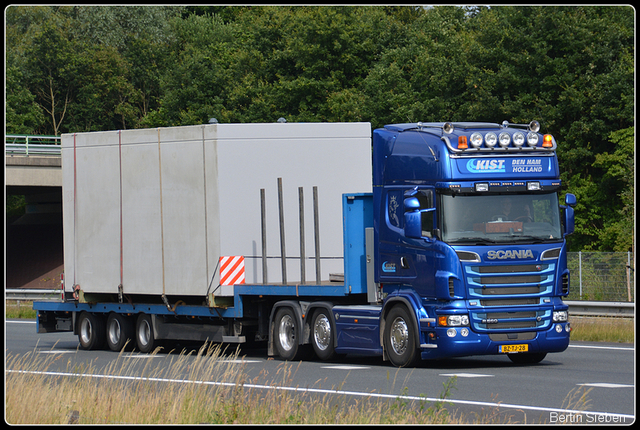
(399, 336)
(286, 332)
(322, 332)
(86, 331)
(144, 333)
(114, 332)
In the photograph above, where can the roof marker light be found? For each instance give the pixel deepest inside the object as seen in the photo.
(547, 141)
(533, 186)
(462, 142)
(482, 187)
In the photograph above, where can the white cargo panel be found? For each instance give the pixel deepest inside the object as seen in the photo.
(153, 209)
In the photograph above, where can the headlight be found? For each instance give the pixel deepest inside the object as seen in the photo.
(476, 140)
(490, 140)
(518, 139)
(453, 320)
(560, 316)
(532, 139)
(504, 139)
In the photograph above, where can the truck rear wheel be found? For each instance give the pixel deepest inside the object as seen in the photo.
(145, 339)
(119, 331)
(91, 331)
(399, 338)
(323, 335)
(287, 333)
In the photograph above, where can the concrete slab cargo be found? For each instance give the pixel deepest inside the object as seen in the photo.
(154, 209)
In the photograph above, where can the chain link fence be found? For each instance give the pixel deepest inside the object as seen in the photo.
(602, 276)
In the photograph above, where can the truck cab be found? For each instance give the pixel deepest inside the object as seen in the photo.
(469, 231)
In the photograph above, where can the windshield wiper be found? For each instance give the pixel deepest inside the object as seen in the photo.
(535, 239)
(473, 240)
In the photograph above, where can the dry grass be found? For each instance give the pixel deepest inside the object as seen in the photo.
(592, 329)
(170, 394)
(208, 387)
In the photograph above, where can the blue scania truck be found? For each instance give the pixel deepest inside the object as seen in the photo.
(453, 243)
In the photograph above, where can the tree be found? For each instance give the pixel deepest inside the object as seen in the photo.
(23, 114)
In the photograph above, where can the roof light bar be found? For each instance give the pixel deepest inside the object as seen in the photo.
(506, 140)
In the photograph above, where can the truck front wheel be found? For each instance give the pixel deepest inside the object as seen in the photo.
(144, 334)
(91, 331)
(399, 338)
(286, 334)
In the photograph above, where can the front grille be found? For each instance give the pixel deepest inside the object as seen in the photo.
(504, 280)
(501, 337)
(510, 320)
(507, 292)
(518, 268)
(492, 280)
(510, 302)
(489, 291)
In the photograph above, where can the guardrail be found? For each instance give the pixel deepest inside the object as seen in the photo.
(32, 145)
(607, 309)
(576, 307)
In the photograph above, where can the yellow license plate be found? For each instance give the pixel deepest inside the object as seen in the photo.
(513, 348)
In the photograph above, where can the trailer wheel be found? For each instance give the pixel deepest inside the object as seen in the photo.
(145, 339)
(323, 335)
(119, 331)
(287, 334)
(399, 338)
(91, 331)
(527, 358)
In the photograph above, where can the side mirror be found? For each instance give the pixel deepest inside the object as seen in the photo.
(570, 200)
(412, 218)
(413, 224)
(411, 204)
(569, 220)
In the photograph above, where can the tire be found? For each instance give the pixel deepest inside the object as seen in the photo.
(287, 334)
(527, 358)
(323, 335)
(91, 331)
(145, 339)
(400, 338)
(119, 331)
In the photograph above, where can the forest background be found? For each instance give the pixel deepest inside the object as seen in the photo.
(88, 68)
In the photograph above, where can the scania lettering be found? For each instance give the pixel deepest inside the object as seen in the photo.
(411, 241)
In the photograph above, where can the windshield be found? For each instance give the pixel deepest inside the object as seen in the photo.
(514, 218)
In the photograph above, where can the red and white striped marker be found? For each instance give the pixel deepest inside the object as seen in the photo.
(232, 270)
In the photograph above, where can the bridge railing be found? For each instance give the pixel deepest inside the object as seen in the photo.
(32, 145)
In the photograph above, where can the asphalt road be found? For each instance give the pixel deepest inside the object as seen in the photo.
(483, 385)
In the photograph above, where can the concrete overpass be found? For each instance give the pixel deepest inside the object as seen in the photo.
(33, 247)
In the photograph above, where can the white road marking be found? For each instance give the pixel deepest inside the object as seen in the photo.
(56, 351)
(619, 348)
(327, 391)
(346, 367)
(467, 375)
(607, 385)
